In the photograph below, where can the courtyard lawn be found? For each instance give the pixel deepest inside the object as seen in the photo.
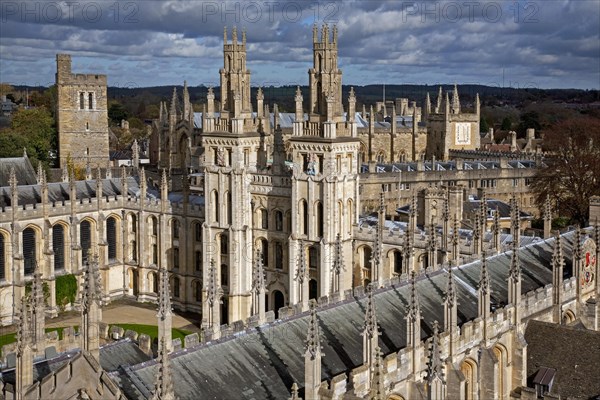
(150, 330)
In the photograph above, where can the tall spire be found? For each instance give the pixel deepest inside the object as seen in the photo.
(91, 302)
(164, 314)
(24, 367)
(436, 383)
(338, 264)
(450, 314)
(557, 278)
(413, 327)
(377, 377)
(483, 296)
(302, 276)
(38, 308)
(258, 287)
(438, 105)
(455, 101)
(163, 384)
(371, 329)
(312, 356)
(213, 298)
(377, 256)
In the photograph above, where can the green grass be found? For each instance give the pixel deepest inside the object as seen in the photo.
(150, 330)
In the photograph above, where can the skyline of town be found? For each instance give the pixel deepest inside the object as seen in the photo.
(517, 44)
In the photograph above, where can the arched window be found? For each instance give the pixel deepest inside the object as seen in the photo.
(224, 275)
(304, 216)
(469, 370)
(154, 226)
(224, 244)
(198, 260)
(81, 101)
(215, 205)
(111, 238)
(350, 215)
(381, 157)
(91, 101)
(278, 301)
(278, 220)
(154, 282)
(264, 218)
(264, 248)
(85, 240)
(29, 250)
(2, 258)
(366, 259)
(176, 257)
(198, 291)
(198, 231)
(229, 209)
(175, 229)
(58, 246)
(313, 289)
(319, 212)
(398, 262)
(154, 253)
(176, 287)
(313, 257)
(278, 255)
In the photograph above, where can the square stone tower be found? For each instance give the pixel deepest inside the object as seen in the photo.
(81, 115)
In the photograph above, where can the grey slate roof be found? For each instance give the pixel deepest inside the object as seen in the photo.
(448, 165)
(24, 170)
(264, 362)
(60, 191)
(123, 352)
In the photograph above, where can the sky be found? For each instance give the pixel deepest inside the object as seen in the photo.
(516, 43)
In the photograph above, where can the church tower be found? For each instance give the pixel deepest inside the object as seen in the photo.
(325, 78)
(234, 147)
(324, 152)
(81, 115)
(235, 77)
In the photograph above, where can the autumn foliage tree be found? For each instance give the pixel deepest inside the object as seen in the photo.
(572, 175)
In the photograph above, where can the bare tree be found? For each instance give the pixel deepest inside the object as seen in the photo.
(573, 172)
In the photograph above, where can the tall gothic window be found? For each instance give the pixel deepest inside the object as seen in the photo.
(264, 217)
(278, 220)
(198, 231)
(29, 250)
(85, 240)
(111, 238)
(224, 275)
(58, 246)
(265, 252)
(319, 219)
(176, 257)
(313, 257)
(90, 101)
(198, 260)
(2, 258)
(304, 208)
(224, 244)
(81, 101)
(278, 255)
(175, 229)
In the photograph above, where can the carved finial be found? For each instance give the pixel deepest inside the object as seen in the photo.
(338, 262)
(163, 385)
(377, 378)
(259, 94)
(164, 296)
(225, 35)
(414, 309)
(294, 392)
(455, 101)
(234, 37)
(484, 278)
(301, 270)
(258, 281)
(315, 33)
(243, 36)
(435, 366)
(24, 334)
(450, 296)
(12, 180)
(371, 328)
(557, 255)
(92, 284)
(298, 96)
(313, 341)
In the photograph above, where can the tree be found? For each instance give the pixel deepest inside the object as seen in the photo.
(529, 120)
(483, 125)
(33, 129)
(506, 124)
(117, 112)
(572, 174)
